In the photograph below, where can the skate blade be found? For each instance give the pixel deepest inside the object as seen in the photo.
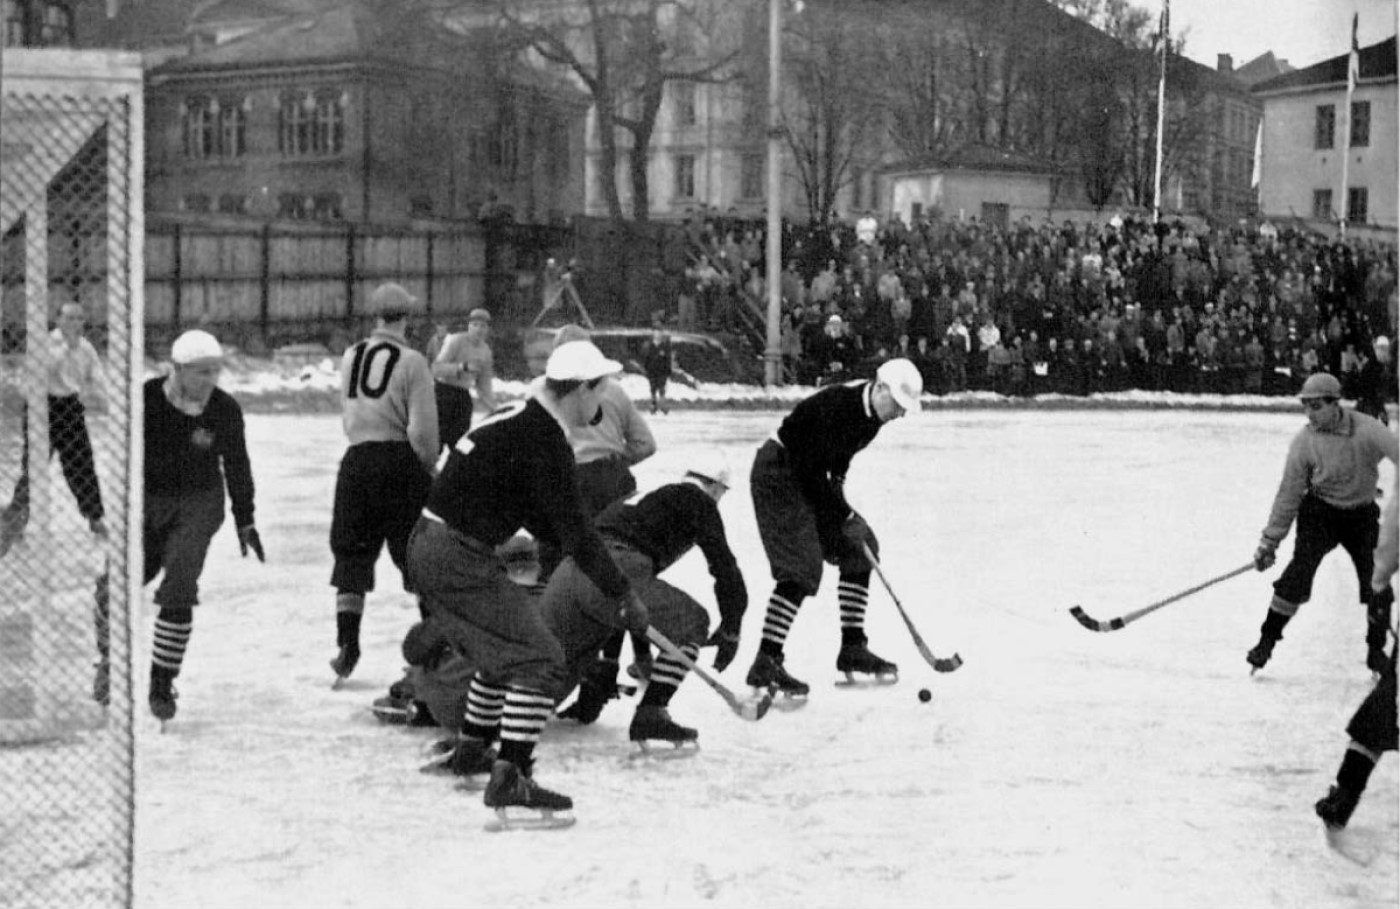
(441, 765)
(475, 783)
(867, 680)
(338, 681)
(438, 749)
(678, 751)
(544, 820)
(781, 700)
(393, 716)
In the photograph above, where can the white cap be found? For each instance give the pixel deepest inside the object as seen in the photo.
(195, 345)
(903, 380)
(579, 361)
(1382, 341)
(712, 467)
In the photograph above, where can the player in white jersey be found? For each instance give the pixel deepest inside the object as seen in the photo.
(390, 418)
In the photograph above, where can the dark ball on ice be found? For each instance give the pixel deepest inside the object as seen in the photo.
(925, 695)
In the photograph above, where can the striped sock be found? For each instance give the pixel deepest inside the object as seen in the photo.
(173, 628)
(485, 701)
(349, 610)
(777, 622)
(526, 712)
(853, 595)
(667, 673)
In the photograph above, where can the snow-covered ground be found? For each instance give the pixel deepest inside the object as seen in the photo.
(1057, 767)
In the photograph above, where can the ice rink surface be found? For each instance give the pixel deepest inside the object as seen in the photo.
(1057, 767)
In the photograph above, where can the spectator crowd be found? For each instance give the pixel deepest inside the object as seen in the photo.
(1068, 308)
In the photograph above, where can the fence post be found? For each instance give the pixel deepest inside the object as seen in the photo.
(350, 276)
(178, 290)
(428, 291)
(265, 280)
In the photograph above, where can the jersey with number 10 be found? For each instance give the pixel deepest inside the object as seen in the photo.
(386, 394)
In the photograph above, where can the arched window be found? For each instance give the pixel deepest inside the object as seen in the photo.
(16, 21)
(56, 27)
(201, 137)
(312, 123)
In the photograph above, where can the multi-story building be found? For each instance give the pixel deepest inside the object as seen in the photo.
(338, 113)
(1308, 131)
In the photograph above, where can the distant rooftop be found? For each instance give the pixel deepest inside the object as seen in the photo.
(1377, 62)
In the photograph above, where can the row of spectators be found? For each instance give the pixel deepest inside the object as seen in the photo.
(1073, 308)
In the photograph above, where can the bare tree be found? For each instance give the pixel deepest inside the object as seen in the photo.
(624, 53)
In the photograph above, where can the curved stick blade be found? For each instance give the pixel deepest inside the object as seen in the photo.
(1093, 624)
(947, 664)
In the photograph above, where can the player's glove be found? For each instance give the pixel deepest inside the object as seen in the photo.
(857, 531)
(248, 539)
(726, 644)
(633, 614)
(1265, 555)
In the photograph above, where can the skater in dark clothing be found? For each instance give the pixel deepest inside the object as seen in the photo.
(1329, 485)
(645, 537)
(1372, 728)
(514, 470)
(390, 419)
(804, 519)
(657, 360)
(194, 447)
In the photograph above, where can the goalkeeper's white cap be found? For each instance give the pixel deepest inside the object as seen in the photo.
(712, 467)
(903, 380)
(195, 345)
(579, 361)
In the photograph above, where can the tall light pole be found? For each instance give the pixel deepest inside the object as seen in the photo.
(772, 355)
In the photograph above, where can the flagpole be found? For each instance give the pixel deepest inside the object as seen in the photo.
(1161, 111)
(1353, 76)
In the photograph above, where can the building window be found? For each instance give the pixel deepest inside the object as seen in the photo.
(1360, 124)
(293, 206)
(312, 123)
(558, 149)
(504, 150)
(197, 202)
(201, 138)
(16, 33)
(857, 189)
(56, 29)
(326, 207)
(685, 176)
(685, 103)
(230, 204)
(751, 176)
(1325, 127)
(1356, 205)
(233, 129)
(1322, 205)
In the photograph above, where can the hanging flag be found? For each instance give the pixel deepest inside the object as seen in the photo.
(1258, 154)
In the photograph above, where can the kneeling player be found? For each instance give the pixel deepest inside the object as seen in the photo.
(645, 537)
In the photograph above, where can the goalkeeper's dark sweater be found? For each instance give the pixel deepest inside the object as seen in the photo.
(186, 454)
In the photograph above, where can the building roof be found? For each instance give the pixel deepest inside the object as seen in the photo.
(974, 158)
(1377, 62)
(1264, 66)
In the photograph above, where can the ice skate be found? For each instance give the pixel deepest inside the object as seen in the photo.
(102, 683)
(344, 663)
(512, 787)
(767, 672)
(394, 711)
(1259, 655)
(1336, 807)
(597, 688)
(162, 697)
(856, 658)
(654, 724)
(465, 757)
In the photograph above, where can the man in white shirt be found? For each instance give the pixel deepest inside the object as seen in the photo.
(73, 384)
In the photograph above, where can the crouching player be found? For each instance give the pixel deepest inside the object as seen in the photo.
(645, 536)
(514, 470)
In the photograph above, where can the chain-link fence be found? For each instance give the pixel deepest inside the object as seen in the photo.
(70, 241)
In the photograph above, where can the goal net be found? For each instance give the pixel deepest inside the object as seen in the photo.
(70, 255)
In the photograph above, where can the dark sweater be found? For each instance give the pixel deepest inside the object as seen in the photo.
(186, 454)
